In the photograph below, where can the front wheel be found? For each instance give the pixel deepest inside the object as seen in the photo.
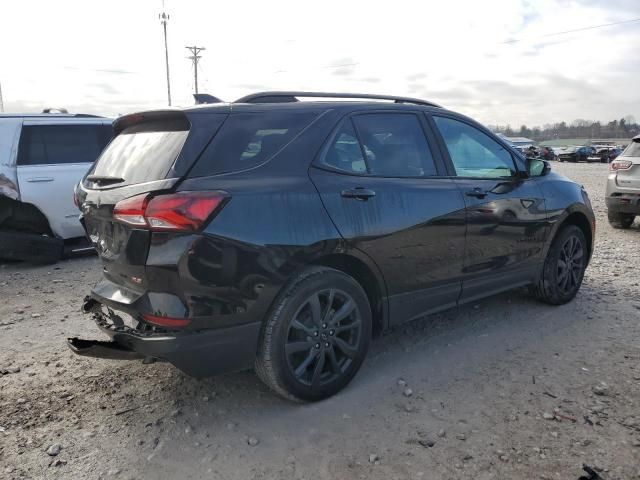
(564, 267)
(316, 337)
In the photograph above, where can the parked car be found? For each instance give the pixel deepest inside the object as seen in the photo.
(622, 195)
(604, 155)
(42, 157)
(546, 153)
(576, 154)
(279, 233)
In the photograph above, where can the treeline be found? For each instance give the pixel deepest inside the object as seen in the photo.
(626, 127)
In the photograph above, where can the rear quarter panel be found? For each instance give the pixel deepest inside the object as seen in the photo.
(9, 135)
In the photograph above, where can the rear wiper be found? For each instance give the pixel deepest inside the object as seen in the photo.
(104, 179)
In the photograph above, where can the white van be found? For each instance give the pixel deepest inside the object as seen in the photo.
(42, 157)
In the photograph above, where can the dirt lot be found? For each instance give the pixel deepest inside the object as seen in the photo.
(506, 388)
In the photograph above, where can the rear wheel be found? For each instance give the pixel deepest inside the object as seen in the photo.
(316, 336)
(620, 220)
(564, 267)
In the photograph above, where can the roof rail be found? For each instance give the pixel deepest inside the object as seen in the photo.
(286, 97)
(55, 110)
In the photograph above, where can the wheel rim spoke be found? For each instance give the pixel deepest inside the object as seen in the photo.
(344, 311)
(333, 361)
(307, 361)
(327, 311)
(316, 311)
(296, 347)
(317, 371)
(297, 324)
(347, 349)
(349, 326)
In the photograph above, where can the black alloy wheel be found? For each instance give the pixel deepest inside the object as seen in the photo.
(564, 267)
(323, 337)
(570, 265)
(316, 336)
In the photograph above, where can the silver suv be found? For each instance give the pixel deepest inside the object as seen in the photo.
(623, 186)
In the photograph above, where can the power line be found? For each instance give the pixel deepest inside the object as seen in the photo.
(195, 58)
(591, 27)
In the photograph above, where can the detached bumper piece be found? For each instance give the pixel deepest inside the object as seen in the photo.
(198, 353)
(101, 349)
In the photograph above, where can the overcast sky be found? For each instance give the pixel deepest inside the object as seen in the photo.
(496, 61)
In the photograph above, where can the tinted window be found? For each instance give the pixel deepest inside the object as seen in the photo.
(394, 145)
(473, 152)
(143, 152)
(249, 139)
(345, 152)
(56, 144)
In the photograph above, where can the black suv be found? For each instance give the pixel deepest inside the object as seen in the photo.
(279, 233)
(576, 154)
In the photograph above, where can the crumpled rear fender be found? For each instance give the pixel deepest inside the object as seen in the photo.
(8, 188)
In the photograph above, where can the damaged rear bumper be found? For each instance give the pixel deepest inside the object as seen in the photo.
(199, 353)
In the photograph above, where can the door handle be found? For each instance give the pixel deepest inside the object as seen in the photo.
(359, 193)
(40, 179)
(476, 192)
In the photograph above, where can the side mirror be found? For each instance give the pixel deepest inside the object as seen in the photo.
(537, 167)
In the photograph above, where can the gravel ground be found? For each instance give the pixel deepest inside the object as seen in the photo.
(505, 388)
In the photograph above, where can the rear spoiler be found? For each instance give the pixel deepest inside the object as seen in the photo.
(203, 98)
(176, 118)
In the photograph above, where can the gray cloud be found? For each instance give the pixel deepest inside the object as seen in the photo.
(343, 71)
(104, 88)
(342, 62)
(416, 76)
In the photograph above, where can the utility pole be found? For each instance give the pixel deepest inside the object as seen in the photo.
(164, 18)
(195, 58)
(1, 101)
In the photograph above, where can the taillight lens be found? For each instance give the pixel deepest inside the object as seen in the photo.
(620, 165)
(183, 211)
(131, 210)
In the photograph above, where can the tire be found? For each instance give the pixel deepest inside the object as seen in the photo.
(30, 247)
(299, 337)
(560, 279)
(620, 220)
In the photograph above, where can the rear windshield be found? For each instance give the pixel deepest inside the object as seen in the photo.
(249, 139)
(143, 152)
(633, 150)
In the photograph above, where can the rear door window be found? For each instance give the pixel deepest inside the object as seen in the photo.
(394, 145)
(381, 144)
(59, 144)
(345, 153)
(473, 152)
(249, 139)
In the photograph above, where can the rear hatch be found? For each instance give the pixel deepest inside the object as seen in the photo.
(149, 155)
(628, 178)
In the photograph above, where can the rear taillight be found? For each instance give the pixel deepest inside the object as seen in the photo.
(620, 165)
(183, 211)
(131, 210)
